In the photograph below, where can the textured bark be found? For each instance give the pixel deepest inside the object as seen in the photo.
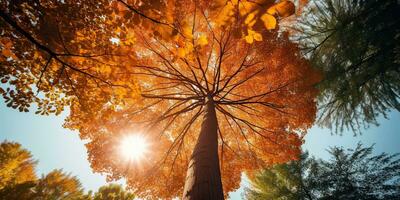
(203, 179)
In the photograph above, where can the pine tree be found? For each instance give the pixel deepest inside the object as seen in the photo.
(352, 174)
(356, 45)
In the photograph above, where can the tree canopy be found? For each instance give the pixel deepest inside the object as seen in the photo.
(113, 192)
(348, 174)
(149, 68)
(19, 180)
(355, 43)
(252, 84)
(16, 164)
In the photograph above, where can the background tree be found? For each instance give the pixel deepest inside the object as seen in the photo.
(351, 174)
(227, 62)
(54, 185)
(58, 185)
(16, 164)
(21, 183)
(280, 181)
(356, 45)
(113, 192)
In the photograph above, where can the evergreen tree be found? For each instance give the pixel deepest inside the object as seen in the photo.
(356, 43)
(354, 174)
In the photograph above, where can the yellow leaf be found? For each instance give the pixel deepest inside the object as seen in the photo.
(187, 31)
(253, 35)
(188, 48)
(202, 40)
(250, 17)
(269, 21)
(249, 39)
(105, 69)
(130, 39)
(246, 7)
(251, 24)
(36, 55)
(181, 52)
(118, 30)
(272, 10)
(282, 9)
(257, 37)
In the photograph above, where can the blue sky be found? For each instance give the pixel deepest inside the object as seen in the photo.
(56, 147)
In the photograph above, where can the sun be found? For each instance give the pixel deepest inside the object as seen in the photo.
(133, 147)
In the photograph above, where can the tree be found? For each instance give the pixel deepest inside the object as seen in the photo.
(58, 185)
(113, 192)
(16, 165)
(355, 44)
(54, 185)
(19, 181)
(351, 174)
(17, 169)
(280, 181)
(254, 98)
(228, 62)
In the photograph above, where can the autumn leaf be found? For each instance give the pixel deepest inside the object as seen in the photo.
(269, 21)
(253, 36)
(282, 9)
(250, 18)
(202, 40)
(7, 53)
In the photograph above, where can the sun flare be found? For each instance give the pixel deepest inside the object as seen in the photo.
(133, 147)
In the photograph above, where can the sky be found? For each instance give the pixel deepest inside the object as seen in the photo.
(59, 148)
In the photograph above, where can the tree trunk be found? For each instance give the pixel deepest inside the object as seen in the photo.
(203, 179)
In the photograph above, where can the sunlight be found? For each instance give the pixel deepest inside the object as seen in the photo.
(133, 147)
(115, 40)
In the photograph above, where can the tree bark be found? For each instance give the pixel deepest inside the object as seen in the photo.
(203, 179)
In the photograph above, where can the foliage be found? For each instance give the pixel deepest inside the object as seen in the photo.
(54, 185)
(113, 192)
(21, 183)
(18, 179)
(16, 164)
(23, 191)
(125, 67)
(281, 181)
(352, 174)
(58, 185)
(52, 59)
(356, 45)
(263, 94)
